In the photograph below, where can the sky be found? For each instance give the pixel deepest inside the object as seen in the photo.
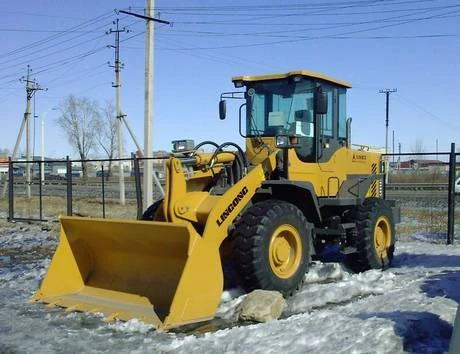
(411, 46)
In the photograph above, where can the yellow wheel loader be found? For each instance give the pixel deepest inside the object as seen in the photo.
(254, 218)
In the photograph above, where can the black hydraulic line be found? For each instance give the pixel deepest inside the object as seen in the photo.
(207, 142)
(229, 143)
(239, 168)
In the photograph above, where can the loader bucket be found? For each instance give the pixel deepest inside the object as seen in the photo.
(162, 273)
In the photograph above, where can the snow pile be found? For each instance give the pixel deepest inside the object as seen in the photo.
(410, 307)
(326, 289)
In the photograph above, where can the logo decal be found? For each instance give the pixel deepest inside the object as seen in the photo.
(357, 157)
(232, 206)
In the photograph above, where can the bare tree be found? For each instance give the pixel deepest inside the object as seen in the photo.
(79, 119)
(418, 148)
(107, 138)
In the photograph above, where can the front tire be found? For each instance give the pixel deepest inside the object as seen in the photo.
(272, 247)
(375, 236)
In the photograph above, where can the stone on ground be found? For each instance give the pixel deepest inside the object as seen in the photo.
(261, 306)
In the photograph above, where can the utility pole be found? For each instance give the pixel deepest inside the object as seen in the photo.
(42, 148)
(149, 176)
(387, 118)
(31, 87)
(148, 106)
(117, 85)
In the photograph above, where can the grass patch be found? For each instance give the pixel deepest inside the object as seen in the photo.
(53, 207)
(426, 220)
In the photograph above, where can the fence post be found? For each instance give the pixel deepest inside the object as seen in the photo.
(40, 190)
(103, 191)
(10, 190)
(137, 179)
(451, 196)
(69, 186)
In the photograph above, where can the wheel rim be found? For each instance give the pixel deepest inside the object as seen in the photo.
(285, 251)
(382, 236)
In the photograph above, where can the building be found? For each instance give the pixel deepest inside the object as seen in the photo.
(3, 166)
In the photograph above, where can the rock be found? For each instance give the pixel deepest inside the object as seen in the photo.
(261, 306)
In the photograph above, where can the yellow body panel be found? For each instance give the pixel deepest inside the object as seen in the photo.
(327, 177)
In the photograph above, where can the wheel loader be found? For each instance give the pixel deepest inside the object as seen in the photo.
(252, 217)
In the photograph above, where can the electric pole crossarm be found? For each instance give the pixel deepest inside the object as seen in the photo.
(145, 17)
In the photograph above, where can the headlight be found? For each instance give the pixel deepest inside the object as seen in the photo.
(282, 141)
(286, 141)
(183, 145)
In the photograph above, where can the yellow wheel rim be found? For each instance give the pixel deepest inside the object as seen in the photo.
(382, 236)
(285, 251)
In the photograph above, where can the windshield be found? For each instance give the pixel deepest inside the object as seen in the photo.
(276, 107)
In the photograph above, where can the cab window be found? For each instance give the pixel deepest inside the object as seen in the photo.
(342, 113)
(327, 119)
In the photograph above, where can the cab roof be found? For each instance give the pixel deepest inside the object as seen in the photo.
(304, 73)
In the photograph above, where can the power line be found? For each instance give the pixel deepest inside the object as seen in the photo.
(329, 25)
(70, 60)
(342, 35)
(428, 113)
(283, 6)
(56, 36)
(37, 30)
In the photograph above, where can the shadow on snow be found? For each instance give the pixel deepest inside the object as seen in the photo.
(422, 332)
(425, 260)
(445, 284)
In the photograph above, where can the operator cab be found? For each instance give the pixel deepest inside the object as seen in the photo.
(307, 105)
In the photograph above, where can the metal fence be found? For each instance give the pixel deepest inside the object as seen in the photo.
(423, 183)
(426, 185)
(59, 187)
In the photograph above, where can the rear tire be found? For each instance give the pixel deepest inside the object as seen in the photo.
(375, 236)
(271, 247)
(154, 212)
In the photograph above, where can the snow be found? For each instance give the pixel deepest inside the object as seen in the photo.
(408, 308)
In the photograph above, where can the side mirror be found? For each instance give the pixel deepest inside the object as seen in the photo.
(320, 103)
(222, 109)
